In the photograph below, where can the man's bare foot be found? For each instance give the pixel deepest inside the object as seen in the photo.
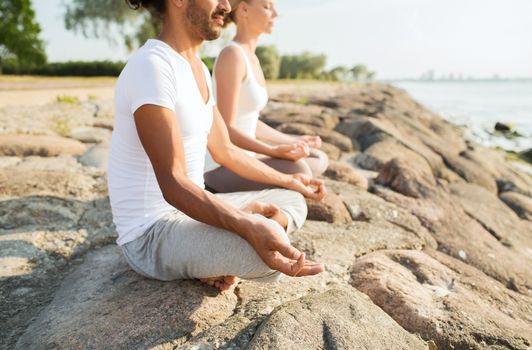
(221, 282)
(270, 211)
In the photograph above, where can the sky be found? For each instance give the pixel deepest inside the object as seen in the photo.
(395, 38)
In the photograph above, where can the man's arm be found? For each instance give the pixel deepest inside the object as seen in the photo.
(235, 159)
(160, 136)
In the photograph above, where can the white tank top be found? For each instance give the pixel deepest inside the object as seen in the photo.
(252, 98)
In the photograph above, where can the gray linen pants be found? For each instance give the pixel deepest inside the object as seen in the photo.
(179, 247)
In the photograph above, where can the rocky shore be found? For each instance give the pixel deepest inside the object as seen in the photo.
(431, 250)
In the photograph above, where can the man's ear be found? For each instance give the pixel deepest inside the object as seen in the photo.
(243, 8)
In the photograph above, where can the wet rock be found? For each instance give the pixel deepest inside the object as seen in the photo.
(502, 127)
(131, 311)
(336, 319)
(331, 209)
(343, 172)
(329, 136)
(444, 300)
(44, 146)
(521, 205)
(526, 155)
(91, 135)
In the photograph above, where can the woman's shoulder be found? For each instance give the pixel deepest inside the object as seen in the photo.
(232, 53)
(230, 59)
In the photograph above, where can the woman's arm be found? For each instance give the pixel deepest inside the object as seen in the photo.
(267, 133)
(229, 72)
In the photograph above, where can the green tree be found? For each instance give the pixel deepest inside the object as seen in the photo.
(270, 61)
(371, 75)
(359, 71)
(106, 19)
(303, 66)
(339, 73)
(98, 18)
(19, 34)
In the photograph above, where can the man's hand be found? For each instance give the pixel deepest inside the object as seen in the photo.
(311, 141)
(279, 255)
(309, 187)
(291, 152)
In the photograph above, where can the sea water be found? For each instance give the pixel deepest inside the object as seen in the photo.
(478, 106)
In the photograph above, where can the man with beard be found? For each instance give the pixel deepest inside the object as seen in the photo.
(169, 227)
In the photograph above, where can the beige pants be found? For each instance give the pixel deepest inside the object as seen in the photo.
(178, 247)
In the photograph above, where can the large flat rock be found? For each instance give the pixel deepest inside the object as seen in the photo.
(36, 145)
(336, 319)
(445, 300)
(104, 304)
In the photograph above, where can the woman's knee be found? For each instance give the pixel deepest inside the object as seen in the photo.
(318, 162)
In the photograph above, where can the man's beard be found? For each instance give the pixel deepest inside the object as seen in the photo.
(201, 22)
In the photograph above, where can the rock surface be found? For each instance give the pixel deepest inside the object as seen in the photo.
(44, 146)
(335, 319)
(445, 300)
(442, 243)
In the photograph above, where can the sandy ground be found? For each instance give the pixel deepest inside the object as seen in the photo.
(29, 90)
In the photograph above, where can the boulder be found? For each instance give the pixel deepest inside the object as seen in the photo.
(91, 134)
(470, 172)
(331, 150)
(445, 300)
(329, 136)
(321, 117)
(335, 319)
(44, 146)
(330, 209)
(97, 156)
(343, 172)
(409, 178)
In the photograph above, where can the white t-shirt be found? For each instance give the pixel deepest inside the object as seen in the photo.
(252, 98)
(156, 74)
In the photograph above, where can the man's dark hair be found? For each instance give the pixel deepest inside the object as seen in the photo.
(158, 5)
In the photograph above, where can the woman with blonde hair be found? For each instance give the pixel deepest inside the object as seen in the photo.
(241, 95)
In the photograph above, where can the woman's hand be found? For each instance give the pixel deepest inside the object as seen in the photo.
(307, 186)
(311, 141)
(292, 152)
